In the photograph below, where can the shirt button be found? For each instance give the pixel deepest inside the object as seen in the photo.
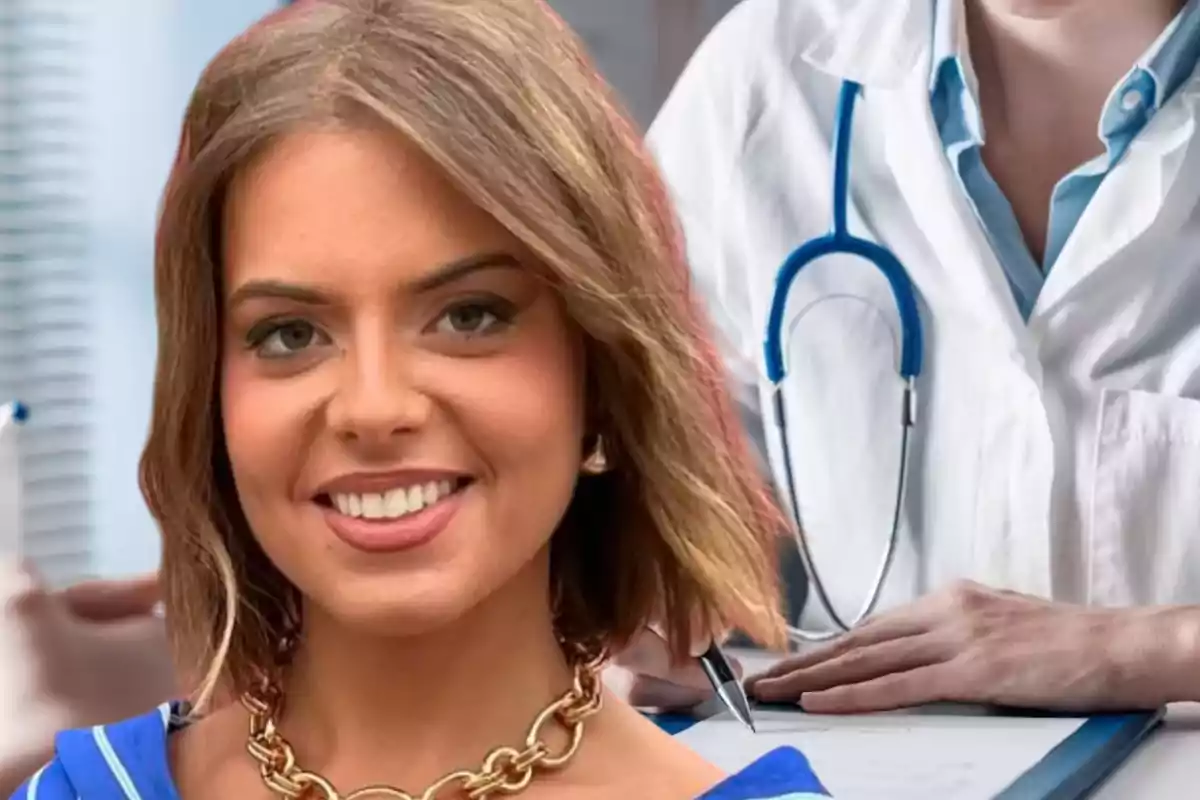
(1132, 100)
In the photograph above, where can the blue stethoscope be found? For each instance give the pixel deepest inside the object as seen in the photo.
(839, 241)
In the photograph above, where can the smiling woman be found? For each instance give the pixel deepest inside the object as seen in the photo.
(461, 434)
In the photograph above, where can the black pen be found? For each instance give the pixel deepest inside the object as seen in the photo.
(727, 685)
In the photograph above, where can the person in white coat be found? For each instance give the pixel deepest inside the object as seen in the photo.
(1034, 165)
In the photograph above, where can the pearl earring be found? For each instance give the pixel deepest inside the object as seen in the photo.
(597, 462)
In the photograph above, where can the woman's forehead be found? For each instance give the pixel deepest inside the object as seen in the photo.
(353, 201)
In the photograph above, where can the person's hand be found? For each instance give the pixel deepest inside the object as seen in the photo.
(94, 653)
(972, 644)
(646, 677)
(110, 601)
(99, 648)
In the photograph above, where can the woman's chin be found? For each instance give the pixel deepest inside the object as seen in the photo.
(396, 611)
(424, 602)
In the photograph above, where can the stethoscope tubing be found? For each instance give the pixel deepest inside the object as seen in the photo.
(839, 241)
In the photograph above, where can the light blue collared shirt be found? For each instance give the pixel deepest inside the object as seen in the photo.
(1134, 100)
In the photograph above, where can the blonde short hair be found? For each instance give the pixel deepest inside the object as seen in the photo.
(499, 94)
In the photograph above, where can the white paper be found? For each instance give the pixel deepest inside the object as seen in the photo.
(902, 756)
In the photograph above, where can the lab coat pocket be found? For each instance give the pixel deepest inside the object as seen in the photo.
(1145, 521)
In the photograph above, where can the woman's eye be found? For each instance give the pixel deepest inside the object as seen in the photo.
(283, 339)
(474, 319)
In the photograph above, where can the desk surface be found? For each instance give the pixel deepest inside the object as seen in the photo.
(1167, 765)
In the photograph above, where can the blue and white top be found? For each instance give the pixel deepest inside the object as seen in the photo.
(128, 761)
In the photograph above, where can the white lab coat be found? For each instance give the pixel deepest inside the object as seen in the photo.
(1059, 457)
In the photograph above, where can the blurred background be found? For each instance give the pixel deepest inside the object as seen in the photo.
(91, 95)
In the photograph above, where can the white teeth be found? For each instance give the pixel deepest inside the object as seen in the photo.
(394, 503)
(372, 506)
(416, 498)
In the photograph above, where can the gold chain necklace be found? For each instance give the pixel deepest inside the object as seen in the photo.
(505, 771)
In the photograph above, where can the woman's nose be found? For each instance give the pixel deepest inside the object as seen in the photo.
(376, 399)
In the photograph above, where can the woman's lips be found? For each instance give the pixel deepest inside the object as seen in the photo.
(390, 535)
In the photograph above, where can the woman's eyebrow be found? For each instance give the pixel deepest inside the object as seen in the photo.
(278, 290)
(461, 268)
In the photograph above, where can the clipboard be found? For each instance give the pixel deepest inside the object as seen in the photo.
(1080, 763)
(1083, 750)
